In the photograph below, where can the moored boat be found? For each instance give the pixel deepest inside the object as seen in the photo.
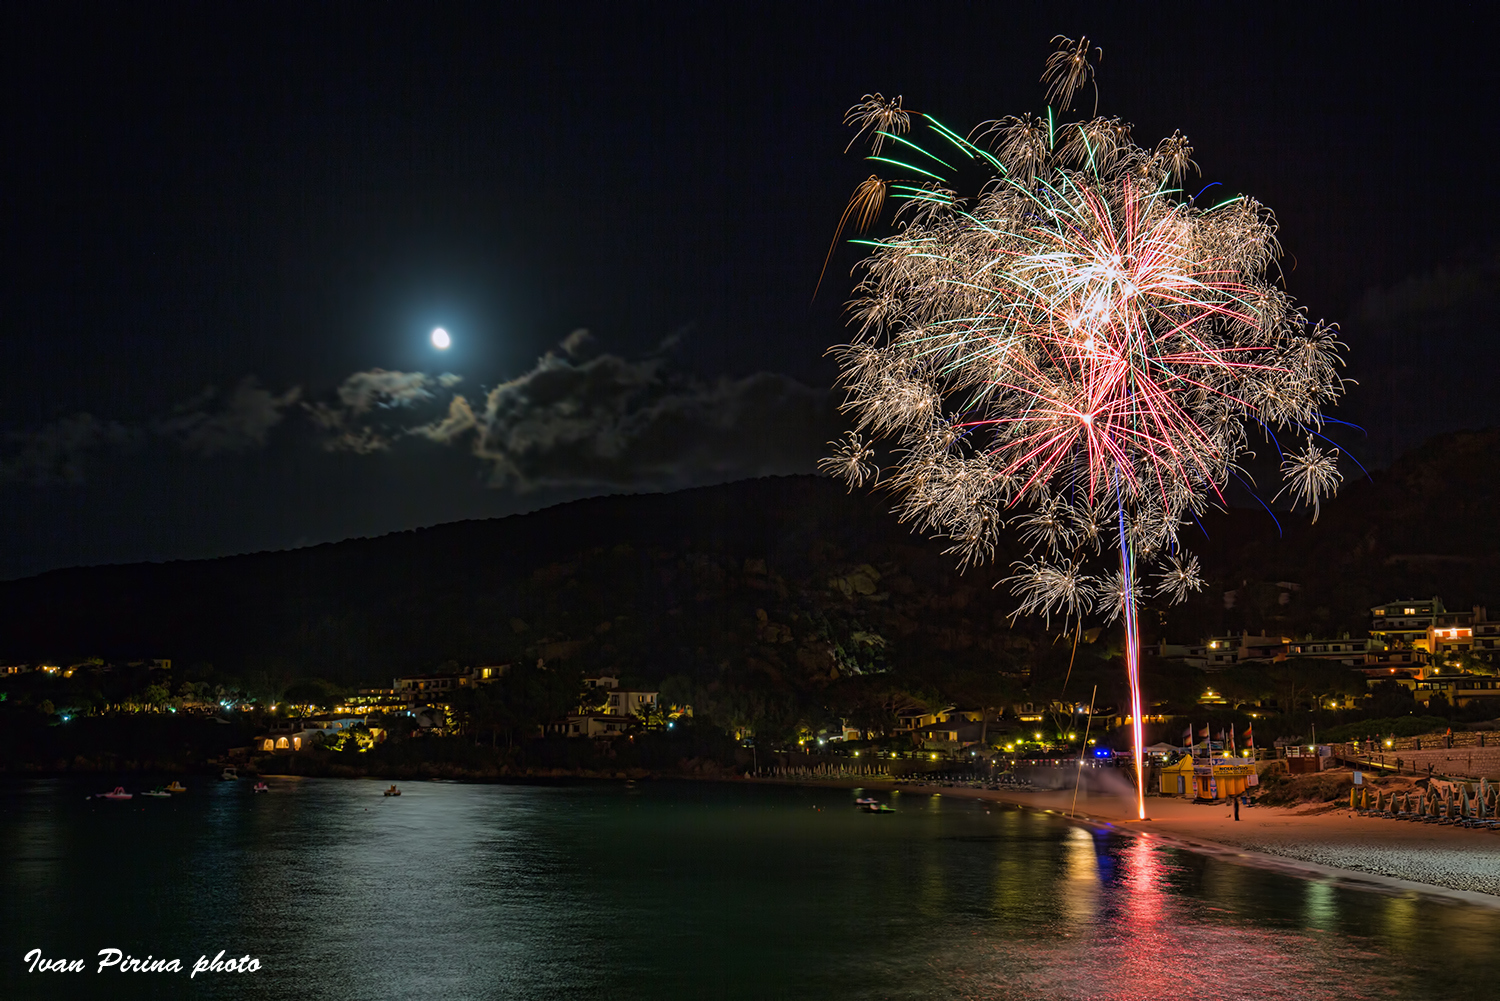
(117, 793)
(393, 791)
(866, 801)
(229, 774)
(176, 787)
(157, 793)
(262, 787)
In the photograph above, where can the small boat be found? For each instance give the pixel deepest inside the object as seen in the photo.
(393, 791)
(229, 774)
(877, 808)
(117, 793)
(158, 793)
(866, 801)
(176, 787)
(262, 787)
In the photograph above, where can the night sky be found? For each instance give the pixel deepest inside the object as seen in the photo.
(229, 230)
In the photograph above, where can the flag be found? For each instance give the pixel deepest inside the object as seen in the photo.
(1204, 732)
(1250, 736)
(1187, 734)
(1231, 741)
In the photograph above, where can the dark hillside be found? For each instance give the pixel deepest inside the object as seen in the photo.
(593, 576)
(1429, 525)
(787, 580)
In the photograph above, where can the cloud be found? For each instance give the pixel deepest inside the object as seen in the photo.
(238, 423)
(345, 424)
(206, 425)
(578, 419)
(62, 451)
(577, 343)
(612, 422)
(1424, 353)
(1444, 299)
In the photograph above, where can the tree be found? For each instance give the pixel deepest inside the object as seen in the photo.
(872, 703)
(652, 716)
(526, 697)
(1391, 699)
(987, 690)
(318, 692)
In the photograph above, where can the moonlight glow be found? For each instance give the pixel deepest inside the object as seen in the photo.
(1079, 349)
(440, 339)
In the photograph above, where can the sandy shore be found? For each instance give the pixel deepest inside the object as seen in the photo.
(1373, 853)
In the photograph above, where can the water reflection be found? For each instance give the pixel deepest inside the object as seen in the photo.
(688, 891)
(1320, 909)
(1080, 888)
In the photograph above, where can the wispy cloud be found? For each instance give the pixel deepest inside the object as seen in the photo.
(346, 424)
(608, 421)
(211, 423)
(63, 451)
(580, 418)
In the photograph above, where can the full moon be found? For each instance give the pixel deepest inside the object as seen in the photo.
(440, 339)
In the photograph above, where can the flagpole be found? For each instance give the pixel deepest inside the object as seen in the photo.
(1073, 810)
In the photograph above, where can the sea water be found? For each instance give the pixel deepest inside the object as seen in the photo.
(668, 890)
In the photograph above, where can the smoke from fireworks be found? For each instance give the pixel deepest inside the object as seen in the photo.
(1078, 343)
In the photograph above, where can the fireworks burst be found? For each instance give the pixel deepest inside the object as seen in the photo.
(851, 461)
(1068, 69)
(878, 117)
(1311, 475)
(1078, 343)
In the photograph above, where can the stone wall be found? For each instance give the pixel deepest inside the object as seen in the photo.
(1431, 741)
(1460, 762)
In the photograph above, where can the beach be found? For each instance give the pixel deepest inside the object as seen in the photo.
(1392, 856)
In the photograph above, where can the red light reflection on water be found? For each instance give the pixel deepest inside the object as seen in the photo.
(1147, 942)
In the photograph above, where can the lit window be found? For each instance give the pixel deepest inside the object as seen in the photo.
(296, 743)
(281, 744)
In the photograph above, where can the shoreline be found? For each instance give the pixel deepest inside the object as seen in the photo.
(1334, 845)
(1302, 844)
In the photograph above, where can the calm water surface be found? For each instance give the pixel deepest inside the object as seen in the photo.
(673, 890)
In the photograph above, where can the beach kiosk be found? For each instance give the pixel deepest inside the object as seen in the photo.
(1220, 778)
(1176, 779)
